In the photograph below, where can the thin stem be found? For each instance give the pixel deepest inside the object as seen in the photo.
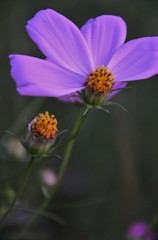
(51, 216)
(79, 122)
(19, 193)
(18, 172)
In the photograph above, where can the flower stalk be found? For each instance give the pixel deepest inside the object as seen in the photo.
(78, 124)
(21, 190)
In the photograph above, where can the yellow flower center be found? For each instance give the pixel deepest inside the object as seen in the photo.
(44, 126)
(101, 80)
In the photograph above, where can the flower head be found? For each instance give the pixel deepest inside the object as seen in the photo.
(93, 61)
(42, 133)
(43, 127)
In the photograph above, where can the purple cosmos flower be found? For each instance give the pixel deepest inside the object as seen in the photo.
(140, 230)
(92, 63)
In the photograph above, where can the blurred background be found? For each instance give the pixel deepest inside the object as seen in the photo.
(112, 178)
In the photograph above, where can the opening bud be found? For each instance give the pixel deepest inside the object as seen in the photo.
(42, 134)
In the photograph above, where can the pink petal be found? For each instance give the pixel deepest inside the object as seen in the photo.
(137, 59)
(36, 77)
(73, 98)
(60, 40)
(104, 35)
(119, 86)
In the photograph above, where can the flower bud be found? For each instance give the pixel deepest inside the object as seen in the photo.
(94, 99)
(48, 177)
(42, 134)
(48, 181)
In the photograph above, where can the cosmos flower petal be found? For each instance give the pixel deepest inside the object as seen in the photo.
(73, 98)
(104, 35)
(60, 40)
(91, 58)
(137, 59)
(119, 86)
(36, 77)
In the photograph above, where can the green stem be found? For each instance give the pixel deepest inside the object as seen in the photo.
(19, 192)
(68, 151)
(20, 171)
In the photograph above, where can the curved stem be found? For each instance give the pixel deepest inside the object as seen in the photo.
(18, 172)
(19, 192)
(78, 124)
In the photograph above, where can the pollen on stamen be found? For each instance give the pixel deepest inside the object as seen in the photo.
(44, 126)
(101, 80)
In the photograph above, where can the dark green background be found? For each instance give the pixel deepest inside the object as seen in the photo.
(112, 178)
